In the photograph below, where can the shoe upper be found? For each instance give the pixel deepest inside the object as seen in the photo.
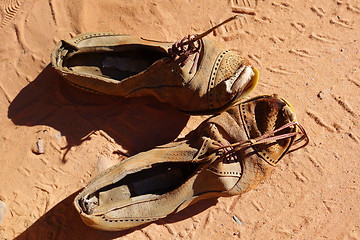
(206, 163)
(127, 66)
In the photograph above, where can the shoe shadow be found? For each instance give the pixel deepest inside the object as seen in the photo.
(189, 211)
(137, 124)
(63, 222)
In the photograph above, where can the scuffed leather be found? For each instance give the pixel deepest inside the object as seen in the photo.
(214, 174)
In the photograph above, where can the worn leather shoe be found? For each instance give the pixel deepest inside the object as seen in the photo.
(195, 75)
(228, 154)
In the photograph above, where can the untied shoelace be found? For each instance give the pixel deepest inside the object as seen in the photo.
(191, 44)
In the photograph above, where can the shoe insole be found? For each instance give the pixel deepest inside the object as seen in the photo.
(117, 64)
(151, 182)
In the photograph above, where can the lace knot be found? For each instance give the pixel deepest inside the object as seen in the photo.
(192, 44)
(185, 49)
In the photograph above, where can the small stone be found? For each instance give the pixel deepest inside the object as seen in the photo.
(38, 147)
(237, 220)
(2, 211)
(321, 95)
(58, 135)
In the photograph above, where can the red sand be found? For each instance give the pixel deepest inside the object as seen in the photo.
(306, 51)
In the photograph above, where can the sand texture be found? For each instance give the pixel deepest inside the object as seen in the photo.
(54, 138)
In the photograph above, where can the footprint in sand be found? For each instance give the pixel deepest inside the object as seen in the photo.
(341, 22)
(8, 10)
(282, 5)
(244, 6)
(318, 11)
(299, 26)
(231, 31)
(301, 53)
(322, 38)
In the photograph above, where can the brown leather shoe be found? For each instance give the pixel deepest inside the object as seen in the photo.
(194, 75)
(228, 154)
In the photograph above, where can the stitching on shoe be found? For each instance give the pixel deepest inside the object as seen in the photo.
(202, 150)
(213, 128)
(128, 220)
(93, 35)
(211, 169)
(213, 77)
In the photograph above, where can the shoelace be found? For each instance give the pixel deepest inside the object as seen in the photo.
(229, 153)
(191, 44)
(229, 150)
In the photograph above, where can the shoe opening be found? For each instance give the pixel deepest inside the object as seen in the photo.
(157, 180)
(271, 113)
(114, 62)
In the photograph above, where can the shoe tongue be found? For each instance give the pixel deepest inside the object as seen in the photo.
(263, 115)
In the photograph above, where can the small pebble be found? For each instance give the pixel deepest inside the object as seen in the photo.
(2, 211)
(38, 148)
(237, 220)
(321, 95)
(58, 135)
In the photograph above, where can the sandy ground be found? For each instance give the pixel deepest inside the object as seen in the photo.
(306, 51)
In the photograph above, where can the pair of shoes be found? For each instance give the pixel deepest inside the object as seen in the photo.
(195, 75)
(228, 154)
